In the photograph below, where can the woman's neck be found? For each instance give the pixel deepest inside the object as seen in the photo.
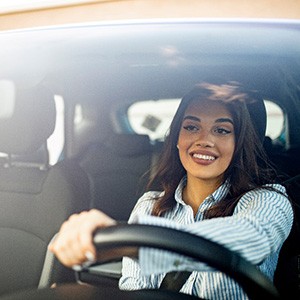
(196, 191)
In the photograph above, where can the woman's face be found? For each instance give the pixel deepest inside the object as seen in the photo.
(206, 141)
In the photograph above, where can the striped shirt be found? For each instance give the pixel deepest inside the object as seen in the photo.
(260, 223)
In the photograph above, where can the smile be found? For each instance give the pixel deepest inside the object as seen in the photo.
(204, 157)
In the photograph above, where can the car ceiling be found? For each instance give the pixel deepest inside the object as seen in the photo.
(150, 61)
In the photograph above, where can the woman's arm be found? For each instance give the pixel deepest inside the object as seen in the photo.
(261, 222)
(73, 244)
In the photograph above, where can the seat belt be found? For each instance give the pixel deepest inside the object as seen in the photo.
(173, 281)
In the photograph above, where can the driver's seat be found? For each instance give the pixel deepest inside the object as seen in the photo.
(287, 275)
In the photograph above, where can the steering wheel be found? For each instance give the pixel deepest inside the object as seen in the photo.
(253, 282)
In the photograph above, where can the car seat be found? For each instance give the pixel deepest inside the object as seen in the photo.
(287, 275)
(35, 198)
(117, 168)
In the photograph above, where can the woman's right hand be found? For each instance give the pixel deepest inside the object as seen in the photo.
(73, 244)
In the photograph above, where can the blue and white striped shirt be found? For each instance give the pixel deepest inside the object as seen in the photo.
(261, 222)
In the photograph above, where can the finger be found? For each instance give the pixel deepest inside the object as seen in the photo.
(68, 250)
(74, 243)
(66, 245)
(93, 220)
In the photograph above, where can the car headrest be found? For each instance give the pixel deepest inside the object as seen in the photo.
(258, 114)
(31, 123)
(128, 144)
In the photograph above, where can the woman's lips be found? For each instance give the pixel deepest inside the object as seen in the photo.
(203, 158)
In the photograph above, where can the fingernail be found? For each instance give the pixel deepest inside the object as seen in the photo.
(90, 256)
(77, 268)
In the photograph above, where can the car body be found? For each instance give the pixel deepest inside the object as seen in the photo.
(117, 85)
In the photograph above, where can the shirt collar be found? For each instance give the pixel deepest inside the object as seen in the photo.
(216, 196)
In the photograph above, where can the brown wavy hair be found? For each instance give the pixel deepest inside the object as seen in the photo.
(249, 168)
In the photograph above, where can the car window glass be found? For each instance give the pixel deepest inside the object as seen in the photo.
(275, 119)
(55, 142)
(154, 117)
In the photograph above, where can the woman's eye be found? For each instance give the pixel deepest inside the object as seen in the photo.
(190, 127)
(222, 131)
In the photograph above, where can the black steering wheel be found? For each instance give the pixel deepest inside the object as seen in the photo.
(253, 282)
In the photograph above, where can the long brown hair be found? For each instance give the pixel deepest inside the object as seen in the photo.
(249, 168)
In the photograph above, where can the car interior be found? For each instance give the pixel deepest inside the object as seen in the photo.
(103, 162)
(35, 199)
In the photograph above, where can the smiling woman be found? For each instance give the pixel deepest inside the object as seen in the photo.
(212, 166)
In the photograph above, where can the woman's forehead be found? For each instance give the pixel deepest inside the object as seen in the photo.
(207, 107)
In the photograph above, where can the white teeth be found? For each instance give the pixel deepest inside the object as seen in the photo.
(205, 157)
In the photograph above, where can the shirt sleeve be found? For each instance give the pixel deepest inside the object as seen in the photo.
(260, 224)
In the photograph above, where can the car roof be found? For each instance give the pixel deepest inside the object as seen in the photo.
(126, 54)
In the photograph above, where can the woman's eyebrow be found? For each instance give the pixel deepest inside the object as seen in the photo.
(224, 120)
(220, 120)
(193, 118)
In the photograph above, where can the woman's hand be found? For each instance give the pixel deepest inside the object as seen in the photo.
(74, 243)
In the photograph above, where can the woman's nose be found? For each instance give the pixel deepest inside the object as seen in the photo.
(205, 140)
(205, 144)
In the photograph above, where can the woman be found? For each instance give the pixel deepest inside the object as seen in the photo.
(216, 183)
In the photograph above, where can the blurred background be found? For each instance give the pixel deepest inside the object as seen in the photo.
(27, 13)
